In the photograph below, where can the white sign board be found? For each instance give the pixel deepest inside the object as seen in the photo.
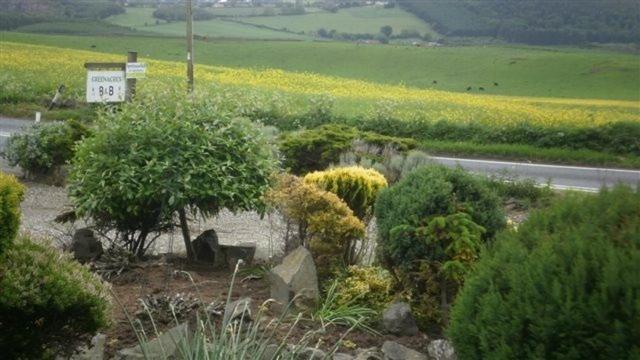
(136, 70)
(106, 86)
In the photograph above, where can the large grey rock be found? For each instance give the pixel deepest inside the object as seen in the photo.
(93, 351)
(296, 276)
(395, 351)
(398, 320)
(85, 246)
(206, 246)
(232, 253)
(441, 350)
(238, 310)
(207, 249)
(163, 347)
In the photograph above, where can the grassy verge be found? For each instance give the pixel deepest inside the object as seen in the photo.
(516, 152)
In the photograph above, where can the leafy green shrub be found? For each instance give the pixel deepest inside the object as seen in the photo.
(11, 193)
(564, 286)
(367, 286)
(427, 192)
(356, 186)
(431, 226)
(174, 156)
(333, 311)
(316, 149)
(44, 146)
(49, 303)
(321, 222)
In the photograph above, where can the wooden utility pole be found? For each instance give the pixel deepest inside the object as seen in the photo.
(190, 44)
(132, 57)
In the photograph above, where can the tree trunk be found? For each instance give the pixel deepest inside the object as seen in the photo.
(185, 234)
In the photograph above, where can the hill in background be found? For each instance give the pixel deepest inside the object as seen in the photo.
(16, 13)
(533, 21)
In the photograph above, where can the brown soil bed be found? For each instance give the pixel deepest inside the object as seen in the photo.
(164, 277)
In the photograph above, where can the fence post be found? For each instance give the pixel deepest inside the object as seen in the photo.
(132, 57)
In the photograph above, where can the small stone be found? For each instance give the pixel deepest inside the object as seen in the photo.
(395, 351)
(342, 356)
(165, 346)
(296, 276)
(441, 350)
(398, 320)
(85, 246)
(368, 354)
(310, 353)
(237, 310)
(232, 253)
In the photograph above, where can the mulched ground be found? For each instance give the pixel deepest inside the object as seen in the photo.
(162, 276)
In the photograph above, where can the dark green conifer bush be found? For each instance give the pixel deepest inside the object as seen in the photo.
(565, 285)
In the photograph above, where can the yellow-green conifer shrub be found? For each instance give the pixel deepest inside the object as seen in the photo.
(368, 286)
(11, 193)
(355, 185)
(323, 222)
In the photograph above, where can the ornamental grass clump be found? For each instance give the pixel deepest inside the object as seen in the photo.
(565, 285)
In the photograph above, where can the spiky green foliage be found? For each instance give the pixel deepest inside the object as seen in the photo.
(11, 193)
(49, 303)
(565, 285)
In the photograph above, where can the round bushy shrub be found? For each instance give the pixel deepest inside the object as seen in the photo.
(423, 194)
(318, 148)
(44, 146)
(163, 156)
(565, 285)
(367, 286)
(356, 186)
(321, 220)
(49, 303)
(11, 193)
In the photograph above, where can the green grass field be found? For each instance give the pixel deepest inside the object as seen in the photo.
(356, 20)
(141, 19)
(520, 71)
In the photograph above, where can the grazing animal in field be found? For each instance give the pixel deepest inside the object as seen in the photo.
(57, 98)
(435, 81)
(93, 46)
(469, 88)
(481, 88)
(495, 84)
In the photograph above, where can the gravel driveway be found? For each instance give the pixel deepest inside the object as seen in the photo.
(43, 203)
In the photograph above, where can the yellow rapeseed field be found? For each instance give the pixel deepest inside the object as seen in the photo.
(25, 68)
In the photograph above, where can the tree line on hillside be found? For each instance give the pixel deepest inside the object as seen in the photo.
(534, 21)
(16, 13)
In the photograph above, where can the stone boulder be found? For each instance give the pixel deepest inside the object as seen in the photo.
(441, 350)
(296, 276)
(165, 346)
(85, 246)
(208, 250)
(236, 310)
(232, 253)
(395, 351)
(206, 246)
(398, 320)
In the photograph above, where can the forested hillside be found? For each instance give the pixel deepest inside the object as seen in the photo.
(15, 13)
(534, 21)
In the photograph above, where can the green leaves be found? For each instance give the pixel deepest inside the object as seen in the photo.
(162, 154)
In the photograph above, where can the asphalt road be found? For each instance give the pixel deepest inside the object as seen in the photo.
(9, 126)
(559, 176)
